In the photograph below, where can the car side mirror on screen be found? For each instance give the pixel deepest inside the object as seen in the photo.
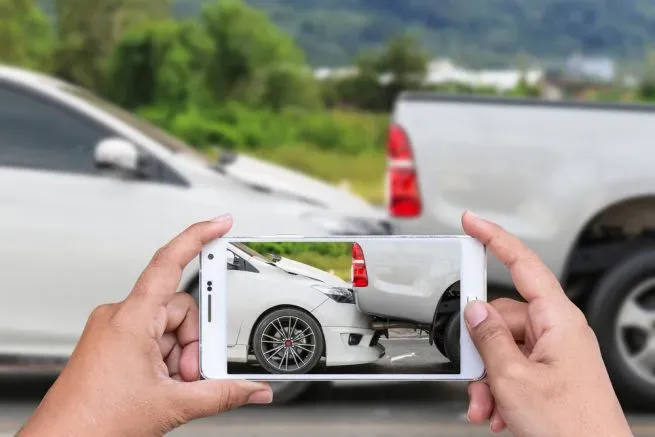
(118, 154)
(231, 259)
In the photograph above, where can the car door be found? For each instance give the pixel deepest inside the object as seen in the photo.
(71, 237)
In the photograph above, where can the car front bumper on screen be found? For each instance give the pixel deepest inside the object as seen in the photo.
(351, 346)
(349, 335)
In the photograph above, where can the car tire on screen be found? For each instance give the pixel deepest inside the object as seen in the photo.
(621, 311)
(284, 392)
(452, 342)
(288, 341)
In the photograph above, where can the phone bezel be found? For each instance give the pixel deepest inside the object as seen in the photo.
(213, 360)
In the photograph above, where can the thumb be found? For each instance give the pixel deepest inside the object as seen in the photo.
(493, 339)
(210, 397)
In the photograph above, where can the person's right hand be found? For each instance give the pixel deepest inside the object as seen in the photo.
(545, 374)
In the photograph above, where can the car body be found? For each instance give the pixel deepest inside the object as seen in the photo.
(544, 170)
(406, 282)
(78, 223)
(573, 180)
(260, 286)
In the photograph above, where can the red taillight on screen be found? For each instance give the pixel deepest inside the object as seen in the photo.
(403, 196)
(359, 274)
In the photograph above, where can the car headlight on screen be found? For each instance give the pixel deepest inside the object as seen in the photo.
(338, 294)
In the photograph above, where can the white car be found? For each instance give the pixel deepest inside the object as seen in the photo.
(286, 316)
(88, 192)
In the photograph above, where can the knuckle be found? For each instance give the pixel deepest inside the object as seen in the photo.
(514, 371)
(160, 257)
(489, 333)
(185, 298)
(228, 398)
(102, 312)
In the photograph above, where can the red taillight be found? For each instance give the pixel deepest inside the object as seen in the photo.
(359, 274)
(403, 196)
(398, 145)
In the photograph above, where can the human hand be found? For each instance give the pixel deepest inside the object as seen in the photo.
(135, 369)
(545, 373)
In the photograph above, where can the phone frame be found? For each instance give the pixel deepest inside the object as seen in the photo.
(213, 317)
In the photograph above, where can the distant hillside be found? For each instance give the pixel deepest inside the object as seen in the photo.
(478, 32)
(482, 32)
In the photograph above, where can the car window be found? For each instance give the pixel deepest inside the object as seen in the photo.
(36, 132)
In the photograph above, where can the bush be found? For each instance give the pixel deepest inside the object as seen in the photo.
(237, 126)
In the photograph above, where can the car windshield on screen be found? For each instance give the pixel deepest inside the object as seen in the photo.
(168, 141)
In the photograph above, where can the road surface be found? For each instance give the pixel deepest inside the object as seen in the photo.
(358, 408)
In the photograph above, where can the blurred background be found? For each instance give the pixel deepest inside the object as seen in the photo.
(122, 121)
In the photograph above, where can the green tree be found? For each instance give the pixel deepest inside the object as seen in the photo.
(290, 86)
(405, 61)
(383, 74)
(250, 57)
(89, 30)
(26, 35)
(158, 64)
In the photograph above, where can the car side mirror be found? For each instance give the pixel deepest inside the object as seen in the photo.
(117, 154)
(231, 259)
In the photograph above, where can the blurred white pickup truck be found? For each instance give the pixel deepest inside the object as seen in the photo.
(575, 181)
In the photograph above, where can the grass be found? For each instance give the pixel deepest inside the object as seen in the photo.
(335, 258)
(339, 266)
(363, 173)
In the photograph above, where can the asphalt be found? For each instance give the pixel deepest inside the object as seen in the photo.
(357, 408)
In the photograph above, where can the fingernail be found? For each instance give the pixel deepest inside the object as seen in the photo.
(492, 424)
(261, 397)
(472, 214)
(222, 218)
(468, 415)
(475, 313)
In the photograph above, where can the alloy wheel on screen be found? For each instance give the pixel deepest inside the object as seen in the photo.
(288, 343)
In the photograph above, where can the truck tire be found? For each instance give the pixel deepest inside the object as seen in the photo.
(284, 392)
(452, 343)
(621, 311)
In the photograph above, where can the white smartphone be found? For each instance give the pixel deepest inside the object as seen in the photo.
(340, 308)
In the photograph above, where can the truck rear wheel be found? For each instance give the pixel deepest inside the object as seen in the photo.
(621, 311)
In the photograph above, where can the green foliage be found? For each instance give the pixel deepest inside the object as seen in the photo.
(89, 30)
(26, 35)
(157, 63)
(332, 249)
(335, 257)
(250, 57)
(235, 125)
(286, 86)
(381, 76)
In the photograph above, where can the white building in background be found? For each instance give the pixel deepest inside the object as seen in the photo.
(442, 71)
(445, 71)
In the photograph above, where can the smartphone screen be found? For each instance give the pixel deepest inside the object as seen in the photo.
(367, 306)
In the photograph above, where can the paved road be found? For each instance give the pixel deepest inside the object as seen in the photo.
(331, 410)
(342, 409)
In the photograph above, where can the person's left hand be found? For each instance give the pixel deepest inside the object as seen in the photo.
(135, 369)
